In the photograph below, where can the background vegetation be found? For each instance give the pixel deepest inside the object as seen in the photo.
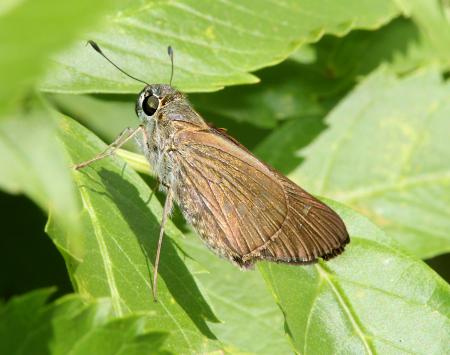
(350, 99)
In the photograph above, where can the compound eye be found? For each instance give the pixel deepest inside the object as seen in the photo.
(150, 105)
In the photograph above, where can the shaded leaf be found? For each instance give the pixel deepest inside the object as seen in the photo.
(237, 298)
(216, 43)
(386, 154)
(399, 45)
(287, 91)
(371, 299)
(249, 319)
(30, 326)
(112, 258)
(288, 140)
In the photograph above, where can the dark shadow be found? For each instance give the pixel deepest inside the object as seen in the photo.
(446, 75)
(362, 51)
(281, 149)
(172, 269)
(28, 258)
(441, 264)
(246, 133)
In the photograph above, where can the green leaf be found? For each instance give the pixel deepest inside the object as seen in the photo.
(293, 89)
(30, 31)
(112, 257)
(30, 326)
(343, 305)
(33, 161)
(216, 43)
(434, 23)
(371, 299)
(249, 319)
(400, 45)
(385, 154)
(234, 306)
(304, 88)
(287, 91)
(289, 139)
(106, 115)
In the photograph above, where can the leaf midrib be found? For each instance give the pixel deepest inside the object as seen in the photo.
(115, 295)
(354, 319)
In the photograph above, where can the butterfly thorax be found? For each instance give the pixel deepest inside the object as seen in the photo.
(164, 112)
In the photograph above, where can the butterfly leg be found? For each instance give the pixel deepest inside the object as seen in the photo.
(123, 137)
(166, 211)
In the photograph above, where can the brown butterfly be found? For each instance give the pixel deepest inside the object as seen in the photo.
(243, 209)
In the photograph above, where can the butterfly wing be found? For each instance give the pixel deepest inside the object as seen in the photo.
(245, 210)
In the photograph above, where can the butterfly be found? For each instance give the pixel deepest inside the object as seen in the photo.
(243, 209)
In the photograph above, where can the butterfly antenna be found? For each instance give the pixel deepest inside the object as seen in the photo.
(99, 51)
(170, 53)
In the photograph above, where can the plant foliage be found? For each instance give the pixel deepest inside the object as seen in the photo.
(350, 99)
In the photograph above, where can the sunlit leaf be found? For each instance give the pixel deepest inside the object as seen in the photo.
(434, 21)
(216, 43)
(33, 161)
(373, 299)
(385, 153)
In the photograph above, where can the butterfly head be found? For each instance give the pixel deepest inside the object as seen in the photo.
(154, 98)
(158, 103)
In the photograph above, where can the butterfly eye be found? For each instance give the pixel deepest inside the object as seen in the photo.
(150, 105)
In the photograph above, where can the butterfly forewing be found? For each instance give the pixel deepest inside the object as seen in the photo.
(247, 211)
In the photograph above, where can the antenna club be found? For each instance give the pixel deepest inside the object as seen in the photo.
(94, 45)
(170, 53)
